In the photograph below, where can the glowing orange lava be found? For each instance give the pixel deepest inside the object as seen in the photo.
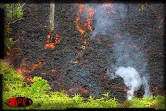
(52, 44)
(25, 69)
(22, 66)
(28, 79)
(82, 27)
(84, 90)
(43, 73)
(33, 67)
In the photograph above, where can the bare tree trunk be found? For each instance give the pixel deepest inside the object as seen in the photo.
(52, 10)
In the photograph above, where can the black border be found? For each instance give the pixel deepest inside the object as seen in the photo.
(1, 48)
(84, 1)
(1, 33)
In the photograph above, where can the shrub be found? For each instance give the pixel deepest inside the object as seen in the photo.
(159, 102)
(141, 102)
(40, 85)
(13, 13)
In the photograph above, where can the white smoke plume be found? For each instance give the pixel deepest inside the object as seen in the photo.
(131, 65)
(106, 17)
(132, 80)
(130, 62)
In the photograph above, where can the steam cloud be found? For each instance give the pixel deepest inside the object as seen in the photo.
(106, 17)
(130, 65)
(132, 80)
(130, 62)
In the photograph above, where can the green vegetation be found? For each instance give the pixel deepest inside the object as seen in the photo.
(13, 13)
(43, 98)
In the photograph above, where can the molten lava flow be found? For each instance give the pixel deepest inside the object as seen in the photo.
(62, 84)
(82, 31)
(91, 13)
(33, 67)
(81, 7)
(88, 22)
(51, 70)
(25, 69)
(120, 87)
(84, 90)
(73, 89)
(28, 79)
(43, 73)
(52, 44)
(83, 24)
(149, 47)
(22, 66)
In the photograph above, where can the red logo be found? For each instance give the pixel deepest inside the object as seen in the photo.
(19, 101)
